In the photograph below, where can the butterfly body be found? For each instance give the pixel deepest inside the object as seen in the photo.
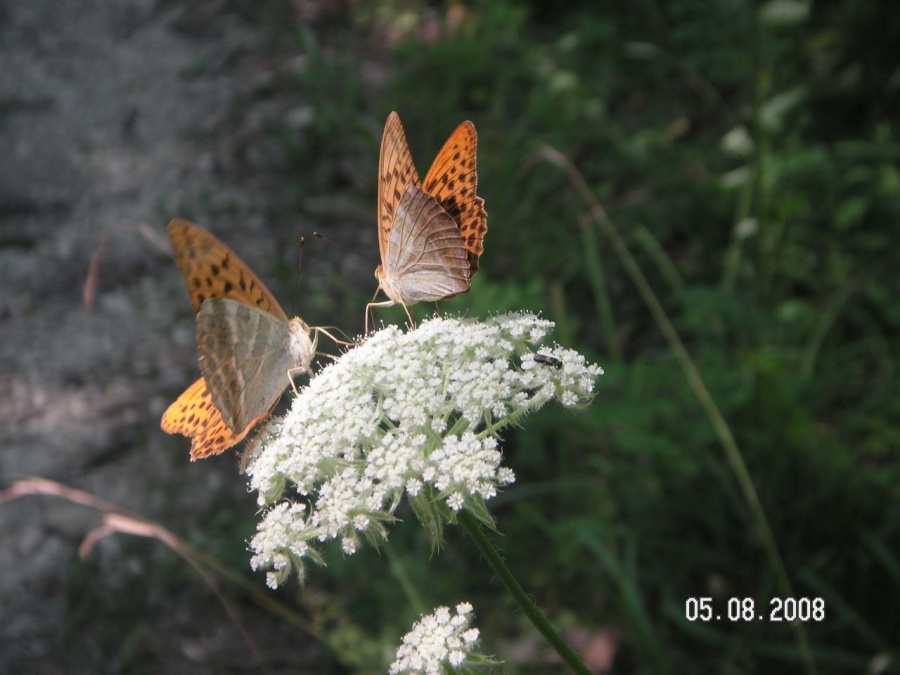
(422, 257)
(247, 346)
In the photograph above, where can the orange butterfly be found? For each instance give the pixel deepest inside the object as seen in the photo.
(430, 234)
(245, 342)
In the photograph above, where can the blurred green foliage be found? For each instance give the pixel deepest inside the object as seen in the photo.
(749, 154)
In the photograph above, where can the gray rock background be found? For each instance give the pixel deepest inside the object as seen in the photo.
(115, 117)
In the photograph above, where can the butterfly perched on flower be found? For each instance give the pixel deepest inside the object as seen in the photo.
(431, 232)
(248, 349)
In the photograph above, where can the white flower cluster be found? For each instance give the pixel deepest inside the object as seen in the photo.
(414, 413)
(437, 639)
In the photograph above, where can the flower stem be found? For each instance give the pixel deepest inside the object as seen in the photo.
(535, 615)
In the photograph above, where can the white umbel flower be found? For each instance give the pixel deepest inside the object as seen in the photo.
(437, 639)
(415, 414)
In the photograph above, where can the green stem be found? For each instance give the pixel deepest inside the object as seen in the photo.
(535, 615)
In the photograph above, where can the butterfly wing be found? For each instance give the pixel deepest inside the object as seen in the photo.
(195, 415)
(453, 181)
(245, 357)
(425, 260)
(396, 171)
(212, 270)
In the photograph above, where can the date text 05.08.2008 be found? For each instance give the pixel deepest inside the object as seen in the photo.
(745, 609)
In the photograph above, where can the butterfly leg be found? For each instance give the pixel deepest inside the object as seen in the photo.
(389, 303)
(386, 303)
(297, 370)
(412, 323)
(345, 343)
(337, 341)
(291, 372)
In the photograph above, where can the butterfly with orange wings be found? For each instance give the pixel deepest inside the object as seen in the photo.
(248, 348)
(431, 232)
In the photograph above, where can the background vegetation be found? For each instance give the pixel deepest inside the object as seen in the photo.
(748, 154)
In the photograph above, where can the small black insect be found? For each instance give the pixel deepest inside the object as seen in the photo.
(548, 360)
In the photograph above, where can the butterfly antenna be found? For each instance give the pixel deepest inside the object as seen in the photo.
(297, 280)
